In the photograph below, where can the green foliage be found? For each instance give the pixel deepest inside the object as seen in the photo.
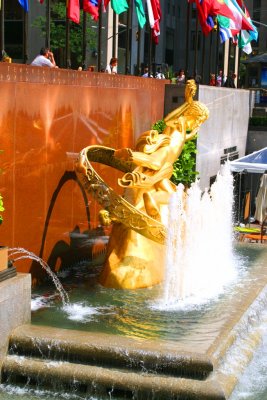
(258, 121)
(58, 32)
(184, 168)
(159, 125)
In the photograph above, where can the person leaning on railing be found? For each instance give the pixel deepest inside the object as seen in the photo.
(44, 59)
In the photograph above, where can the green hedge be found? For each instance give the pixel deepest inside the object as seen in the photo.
(258, 121)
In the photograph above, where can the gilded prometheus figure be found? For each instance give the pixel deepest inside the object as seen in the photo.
(135, 254)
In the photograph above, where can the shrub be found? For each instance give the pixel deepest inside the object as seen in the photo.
(184, 168)
(258, 121)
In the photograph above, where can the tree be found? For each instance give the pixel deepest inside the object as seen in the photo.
(58, 33)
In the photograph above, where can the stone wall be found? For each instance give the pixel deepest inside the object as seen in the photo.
(224, 132)
(15, 307)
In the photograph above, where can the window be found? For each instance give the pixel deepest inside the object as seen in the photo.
(14, 29)
(169, 52)
(257, 10)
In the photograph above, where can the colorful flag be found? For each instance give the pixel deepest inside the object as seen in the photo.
(73, 10)
(254, 32)
(24, 4)
(204, 16)
(140, 12)
(119, 6)
(244, 42)
(238, 17)
(154, 15)
(92, 7)
(225, 33)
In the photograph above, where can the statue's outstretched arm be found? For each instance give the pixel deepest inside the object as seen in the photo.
(176, 113)
(191, 135)
(153, 161)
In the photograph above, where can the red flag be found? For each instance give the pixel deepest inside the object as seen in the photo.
(105, 4)
(154, 14)
(73, 10)
(92, 7)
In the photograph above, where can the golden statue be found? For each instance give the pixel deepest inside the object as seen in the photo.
(135, 254)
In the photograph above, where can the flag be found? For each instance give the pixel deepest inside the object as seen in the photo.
(204, 16)
(154, 15)
(73, 10)
(105, 4)
(242, 36)
(225, 34)
(119, 6)
(140, 12)
(24, 4)
(254, 32)
(244, 40)
(238, 18)
(92, 7)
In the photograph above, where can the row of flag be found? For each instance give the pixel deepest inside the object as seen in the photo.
(118, 6)
(233, 21)
(232, 16)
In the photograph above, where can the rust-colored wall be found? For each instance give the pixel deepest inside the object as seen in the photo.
(46, 117)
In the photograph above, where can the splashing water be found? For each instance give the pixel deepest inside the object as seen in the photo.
(199, 260)
(24, 254)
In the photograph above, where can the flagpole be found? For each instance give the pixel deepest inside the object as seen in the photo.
(99, 39)
(67, 58)
(210, 53)
(114, 33)
(203, 58)
(187, 38)
(150, 52)
(127, 50)
(84, 40)
(138, 50)
(48, 17)
(2, 28)
(25, 37)
(196, 48)
(229, 57)
(217, 50)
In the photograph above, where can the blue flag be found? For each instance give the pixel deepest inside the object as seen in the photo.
(24, 4)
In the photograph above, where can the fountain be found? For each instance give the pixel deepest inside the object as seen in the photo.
(189, 337)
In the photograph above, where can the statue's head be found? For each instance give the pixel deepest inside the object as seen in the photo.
(190, 89)
(104, 218)
(195, 115)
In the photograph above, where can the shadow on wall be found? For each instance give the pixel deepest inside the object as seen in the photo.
(87, 246)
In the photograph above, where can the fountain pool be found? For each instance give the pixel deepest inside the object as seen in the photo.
(141, 315)
(195, 333)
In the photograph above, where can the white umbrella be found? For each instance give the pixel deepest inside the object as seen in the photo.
(261, 200)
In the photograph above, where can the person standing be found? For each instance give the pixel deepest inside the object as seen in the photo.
(180, 77)
(111, 68)
(44, 59)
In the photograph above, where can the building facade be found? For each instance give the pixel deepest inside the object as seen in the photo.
(181, 44)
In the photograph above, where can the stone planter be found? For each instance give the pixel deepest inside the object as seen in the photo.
(3, 258)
